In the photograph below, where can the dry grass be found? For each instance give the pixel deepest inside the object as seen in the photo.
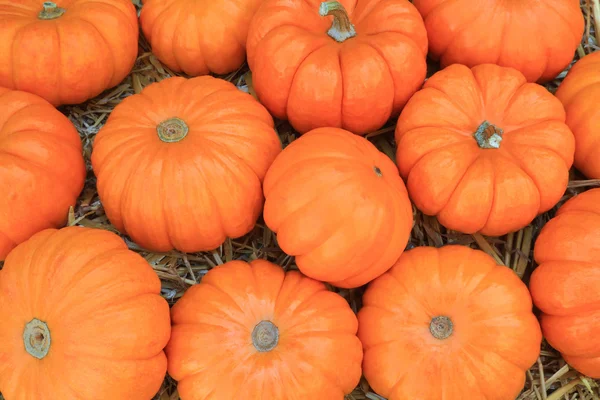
(549, 379)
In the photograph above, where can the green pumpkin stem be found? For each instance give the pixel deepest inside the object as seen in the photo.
(51, 11)
(172, 130)
(488, 136)
(342, 28)
(36, 338)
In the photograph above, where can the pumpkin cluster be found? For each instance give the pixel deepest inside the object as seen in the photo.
(192, 161)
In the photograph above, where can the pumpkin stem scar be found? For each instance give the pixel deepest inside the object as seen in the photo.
(36, 338)
(265, 336)
(488, 136)
(441, 327)
(342, 28)
(172, 130)
(377, 171)
(51, 11)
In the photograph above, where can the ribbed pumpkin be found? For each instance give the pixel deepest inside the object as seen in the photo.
(41, 167)
(349, 64)
(180, 165)
(252, 331)
(339, 206)
(82, 318)
(565, 284)
(68, 51)
(483, 149)
(198, 36)
(579, 93)
(449, 324)
(508, 33)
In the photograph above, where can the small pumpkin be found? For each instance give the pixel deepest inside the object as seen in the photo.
(448, 323)
(349, 64)
(565, 284)
(494, 31)
(68, 51)
(483, 149)
(253, 331)
(41, 167)
(82, 317)
(579, 92)
(339, 206)
(198, 37)
(180, 165)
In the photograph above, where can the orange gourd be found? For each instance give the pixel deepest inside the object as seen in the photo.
(579, 93)
(565, 284)
(198, 37)
(483, 149)
(41, 167)
(82, 318)
(68, 51)
(349, 64)
(507, 33)
(180, 165)
(253, 331)
(339, 206)
(450, 324)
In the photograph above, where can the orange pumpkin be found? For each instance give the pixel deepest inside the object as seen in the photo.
(41, 167)
(483, 149)
(579, 93)
(350, 64)
(180, 165)
(450, 324)
(339, 206)
(82, 318)
(508, 33)
(565, 284)
(69, 51)
(253, 331)
(198, 37)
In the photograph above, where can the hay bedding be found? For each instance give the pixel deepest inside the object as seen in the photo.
(178, 271)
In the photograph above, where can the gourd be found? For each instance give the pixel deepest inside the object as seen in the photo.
(251, 330)
(484, 150)
(82, 318)
(180, 165)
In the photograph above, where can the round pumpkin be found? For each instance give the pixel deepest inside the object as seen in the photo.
(565, 284)
(41, 167)
(82, 318)
(484, 150)
(450, 324)
(253, 331)
(339, 206)
(507, 33)
(579, 93)
(349, 64)
(68, 51)
(198, 37)
(180, 165)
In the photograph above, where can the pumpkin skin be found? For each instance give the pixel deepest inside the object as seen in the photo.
(253, 331)
(492, 180)
(448, 323)
(198, 37)
(72, 57)
(302, 74)
(338, 205)
(564, 285)
(98, 307)
(492, 31)
(579, 92)
(180, 165)
(41, 167)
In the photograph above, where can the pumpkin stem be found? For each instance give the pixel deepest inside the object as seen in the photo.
(488, 136)
(51, 11)
(441, 327)
(36, 338)
(342, 28)
(265, 336)
(172, 130)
